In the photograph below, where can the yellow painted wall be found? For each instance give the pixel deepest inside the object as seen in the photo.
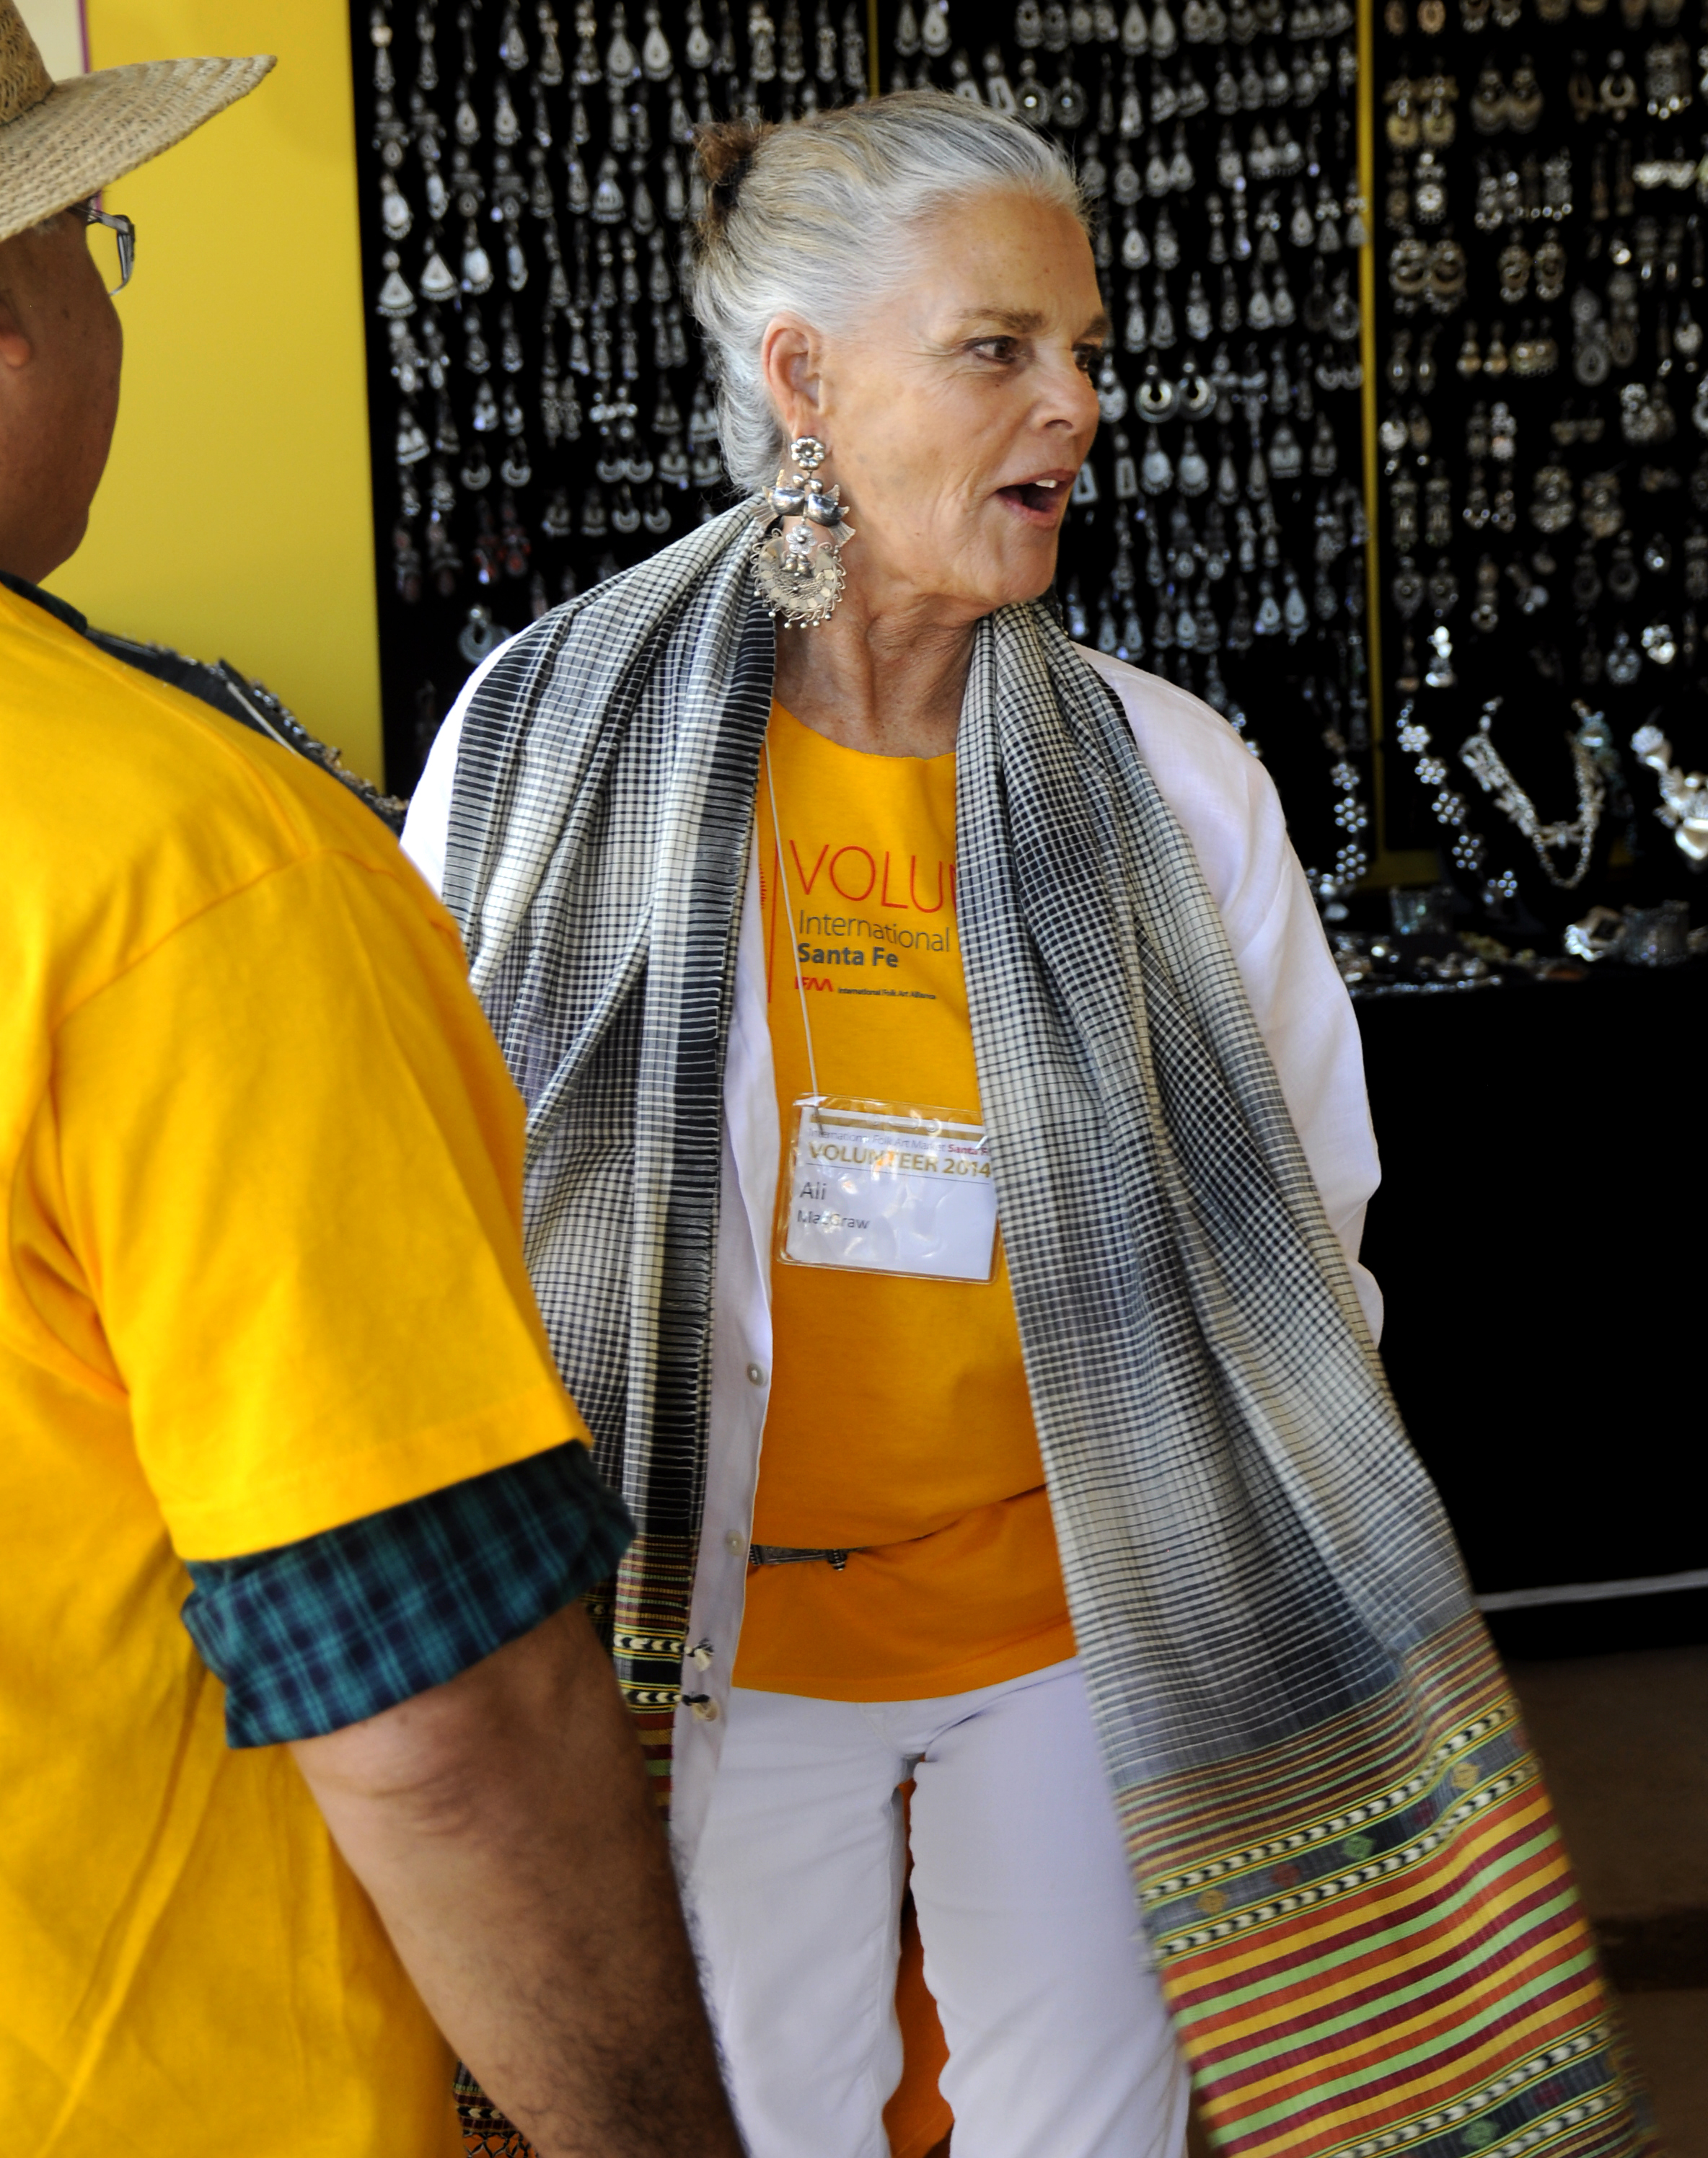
(235, 520)
(57, 27)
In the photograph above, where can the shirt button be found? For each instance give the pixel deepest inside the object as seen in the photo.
(756, 1375)
(706, 1710)
(735, 1543)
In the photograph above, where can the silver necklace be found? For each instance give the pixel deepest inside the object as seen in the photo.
(1492, 773)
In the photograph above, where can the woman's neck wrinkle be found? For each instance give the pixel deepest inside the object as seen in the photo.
(891, 687)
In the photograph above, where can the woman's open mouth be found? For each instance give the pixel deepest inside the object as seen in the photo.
(1041, 500)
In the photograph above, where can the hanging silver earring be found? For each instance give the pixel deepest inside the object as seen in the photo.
(796, 551)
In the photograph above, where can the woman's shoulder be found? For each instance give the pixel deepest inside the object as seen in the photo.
(1204, 769)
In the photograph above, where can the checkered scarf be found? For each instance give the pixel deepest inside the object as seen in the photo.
(1240, 1517)
(1293, 1696)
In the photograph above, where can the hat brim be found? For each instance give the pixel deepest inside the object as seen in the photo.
(92, 130)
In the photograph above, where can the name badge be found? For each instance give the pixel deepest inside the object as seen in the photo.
(888, 1188)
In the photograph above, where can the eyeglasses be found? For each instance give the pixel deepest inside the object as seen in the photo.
(112, 241)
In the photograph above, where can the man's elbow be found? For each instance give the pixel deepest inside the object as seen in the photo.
(432, 1761)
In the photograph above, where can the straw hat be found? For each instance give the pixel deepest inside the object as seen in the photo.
(61, 143)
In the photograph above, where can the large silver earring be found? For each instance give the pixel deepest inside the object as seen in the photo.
(796, 552)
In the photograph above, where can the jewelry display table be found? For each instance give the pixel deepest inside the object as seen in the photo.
(1537, 1240)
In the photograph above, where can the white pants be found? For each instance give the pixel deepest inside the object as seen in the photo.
(1059, 2046)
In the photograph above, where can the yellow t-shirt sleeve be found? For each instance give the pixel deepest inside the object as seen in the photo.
(289, 1160)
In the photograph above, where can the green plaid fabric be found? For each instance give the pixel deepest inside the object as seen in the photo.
(314, 1635)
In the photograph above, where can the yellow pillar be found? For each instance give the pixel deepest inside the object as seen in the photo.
(235, 520)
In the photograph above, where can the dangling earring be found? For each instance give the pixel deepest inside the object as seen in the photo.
(800, 576)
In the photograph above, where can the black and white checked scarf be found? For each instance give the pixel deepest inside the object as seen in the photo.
(1249, 1544)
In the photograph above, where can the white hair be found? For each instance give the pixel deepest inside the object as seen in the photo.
(819, 217)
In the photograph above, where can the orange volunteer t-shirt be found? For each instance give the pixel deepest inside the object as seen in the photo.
(900, 1425)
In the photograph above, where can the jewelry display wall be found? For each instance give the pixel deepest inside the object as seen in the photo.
(1544, 494)
(539, 412)
(1216, 535)
(542, 418)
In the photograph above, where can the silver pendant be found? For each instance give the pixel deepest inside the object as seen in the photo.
(796, 550)
(799, 584)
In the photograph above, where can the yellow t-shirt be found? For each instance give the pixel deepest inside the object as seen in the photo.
(261, 1274)
(899, 1420)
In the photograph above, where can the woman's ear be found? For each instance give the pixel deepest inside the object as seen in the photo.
(790, 356)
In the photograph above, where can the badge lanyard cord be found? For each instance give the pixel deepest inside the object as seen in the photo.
(789, 911)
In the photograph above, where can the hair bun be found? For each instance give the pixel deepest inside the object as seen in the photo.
(725, 151)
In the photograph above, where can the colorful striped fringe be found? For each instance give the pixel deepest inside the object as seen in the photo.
(486, 2133)
(649, 1643)
(1369, 1939)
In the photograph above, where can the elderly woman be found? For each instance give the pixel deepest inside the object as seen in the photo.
(934, 1069)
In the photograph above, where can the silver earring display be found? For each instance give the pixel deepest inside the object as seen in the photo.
(796, 551)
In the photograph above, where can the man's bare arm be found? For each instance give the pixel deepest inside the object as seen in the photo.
(502, 1826)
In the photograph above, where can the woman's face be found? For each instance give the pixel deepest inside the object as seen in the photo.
(957, 414)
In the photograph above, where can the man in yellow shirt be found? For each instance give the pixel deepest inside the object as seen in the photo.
(312, 1771)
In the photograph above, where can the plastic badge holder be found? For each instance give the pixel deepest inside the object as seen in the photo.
(888, 1188)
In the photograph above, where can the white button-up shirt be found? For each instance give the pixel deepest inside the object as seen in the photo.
(1230, 811)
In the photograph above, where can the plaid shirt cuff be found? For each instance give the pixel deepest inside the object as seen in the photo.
(315, 1635)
